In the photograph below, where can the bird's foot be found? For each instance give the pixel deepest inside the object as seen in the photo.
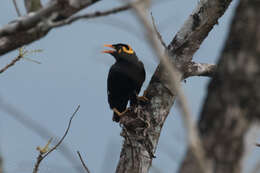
(143, 99)
(120, 113)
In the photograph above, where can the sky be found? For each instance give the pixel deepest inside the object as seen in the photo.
(73, 72)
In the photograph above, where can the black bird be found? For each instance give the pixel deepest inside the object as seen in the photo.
(125, 79)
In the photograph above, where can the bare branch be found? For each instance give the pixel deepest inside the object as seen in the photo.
(199, 69)
(192, 130)
(93, 15)
(65, 134)
(196, 28)
(37, 128)
(36, 25)
(158, 33)
(42, 155)
(160, 90)
(16, 8)
(83, 163)
(11, 63)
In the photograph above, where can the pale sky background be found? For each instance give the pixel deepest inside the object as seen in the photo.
(73, 71)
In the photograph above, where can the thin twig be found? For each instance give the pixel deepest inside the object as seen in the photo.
(38, 129)
(41, 156)
(158, 33)
(65, 134)
(16, 8)
(94, 15)
(11, 63)
(83, 163)
(193, 137)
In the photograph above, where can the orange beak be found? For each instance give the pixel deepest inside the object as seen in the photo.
(109, 51)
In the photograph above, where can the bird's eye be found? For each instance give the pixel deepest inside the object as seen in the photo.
(128, 49)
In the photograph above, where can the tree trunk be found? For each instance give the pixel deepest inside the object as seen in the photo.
(232, 103)
(142, 125)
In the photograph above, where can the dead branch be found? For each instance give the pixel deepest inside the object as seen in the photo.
(231, 107)
(36, 25)
(83, 163)
(160, 91)
(11, 63)
(42, 154)
(94, 15)
(199, 69)
(174, 78)
(37, 128)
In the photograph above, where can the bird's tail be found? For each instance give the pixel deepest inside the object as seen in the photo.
(116, 118)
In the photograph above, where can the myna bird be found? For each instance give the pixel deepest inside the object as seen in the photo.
(125, 79)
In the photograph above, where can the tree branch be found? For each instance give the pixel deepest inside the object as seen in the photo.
(39, 129)
(11, 63)
(196, 28)
(43, 154)
(83, 163)
(232, 104)
(94, 15)
(174, 80)
(199, 69)
(143, 138)
(36, 25)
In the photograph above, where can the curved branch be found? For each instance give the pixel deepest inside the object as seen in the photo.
(45, 153)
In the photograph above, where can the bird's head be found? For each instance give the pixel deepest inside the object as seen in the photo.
(121, 52)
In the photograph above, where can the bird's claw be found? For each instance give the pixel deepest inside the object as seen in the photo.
(143, 99)
(120, 113)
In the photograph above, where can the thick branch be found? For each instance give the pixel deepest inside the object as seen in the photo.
(196, 28)
(138, 148)
(34, 26)
(199, 69)
(232, 103)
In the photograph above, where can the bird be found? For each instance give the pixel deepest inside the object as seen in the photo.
(125, 79)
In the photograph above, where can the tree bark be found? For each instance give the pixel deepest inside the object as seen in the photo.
(33, 27)
(232, 103)
(142, 125)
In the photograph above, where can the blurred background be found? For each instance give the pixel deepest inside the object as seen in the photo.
(73, 72)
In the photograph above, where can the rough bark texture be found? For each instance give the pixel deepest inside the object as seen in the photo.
(233, 97)
(35, 26)
(142, 125)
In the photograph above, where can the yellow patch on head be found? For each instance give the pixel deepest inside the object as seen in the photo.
(129, 51)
